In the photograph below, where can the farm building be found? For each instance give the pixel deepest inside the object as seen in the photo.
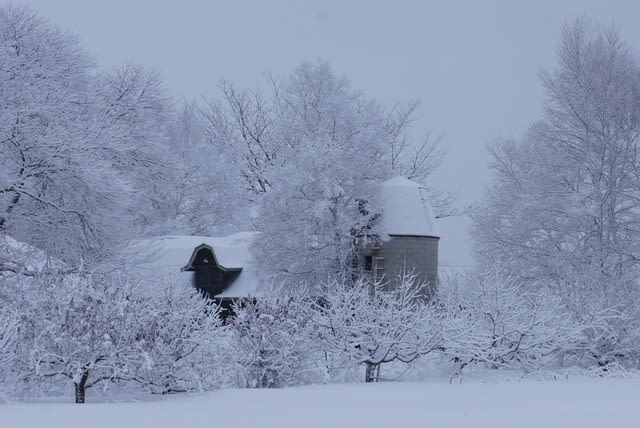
(411, 242)
(222, 267)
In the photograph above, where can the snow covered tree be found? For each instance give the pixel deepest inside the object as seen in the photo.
(84, 331)
(494, 319)
(414, 160)
(325, 176)
(563, 211)
(134, 112)
(74, 145)
(205, 171)
(366, 324)
(104, 330)
(43, 125)
(8, 337)
(269, 342)
(180, 341)
(243, 123)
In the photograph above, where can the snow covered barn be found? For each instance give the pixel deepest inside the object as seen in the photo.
(408, 221)
(217, 266)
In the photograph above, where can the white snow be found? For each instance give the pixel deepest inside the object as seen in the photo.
(25, 256)
(405, 209)
(161, 259)
(580, 403)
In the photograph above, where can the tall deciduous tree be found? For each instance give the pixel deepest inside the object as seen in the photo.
(564, 209)
(133, 117)
(333, 157)
(75, 145)
(206, 192)
(44, 112)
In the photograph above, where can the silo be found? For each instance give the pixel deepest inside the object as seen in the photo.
(408, 237)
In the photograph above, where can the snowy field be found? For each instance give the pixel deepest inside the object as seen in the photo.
(575, 403)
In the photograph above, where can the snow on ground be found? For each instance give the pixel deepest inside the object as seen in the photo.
(574, 403)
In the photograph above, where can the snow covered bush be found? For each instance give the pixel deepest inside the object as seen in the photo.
(608, 310)
(90, 330)
(8, 333)
(365, 323)
(180, 341)
(496, 320)
(270, 342)
(82, 329)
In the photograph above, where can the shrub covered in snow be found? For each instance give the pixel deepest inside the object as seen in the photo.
(364, 323)
(89, 330)
(271, 342)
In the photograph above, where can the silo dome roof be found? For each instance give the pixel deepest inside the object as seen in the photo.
(405, 209)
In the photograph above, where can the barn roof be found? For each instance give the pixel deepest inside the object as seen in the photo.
(228, 268)
(163, 258)
(405, 209)
(20, 257)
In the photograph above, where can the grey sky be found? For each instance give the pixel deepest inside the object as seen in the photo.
(474, 64)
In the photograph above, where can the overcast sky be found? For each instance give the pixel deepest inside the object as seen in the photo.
(474, 64)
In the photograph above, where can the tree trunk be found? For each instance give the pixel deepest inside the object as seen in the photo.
(372, 372)
(81, 387)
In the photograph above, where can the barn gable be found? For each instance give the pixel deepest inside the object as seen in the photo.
(210, 277)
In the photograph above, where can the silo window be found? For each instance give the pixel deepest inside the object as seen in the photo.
(368, 263)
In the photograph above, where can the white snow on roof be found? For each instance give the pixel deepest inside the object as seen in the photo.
(161, 259)
(19, 256)
(405, 209)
